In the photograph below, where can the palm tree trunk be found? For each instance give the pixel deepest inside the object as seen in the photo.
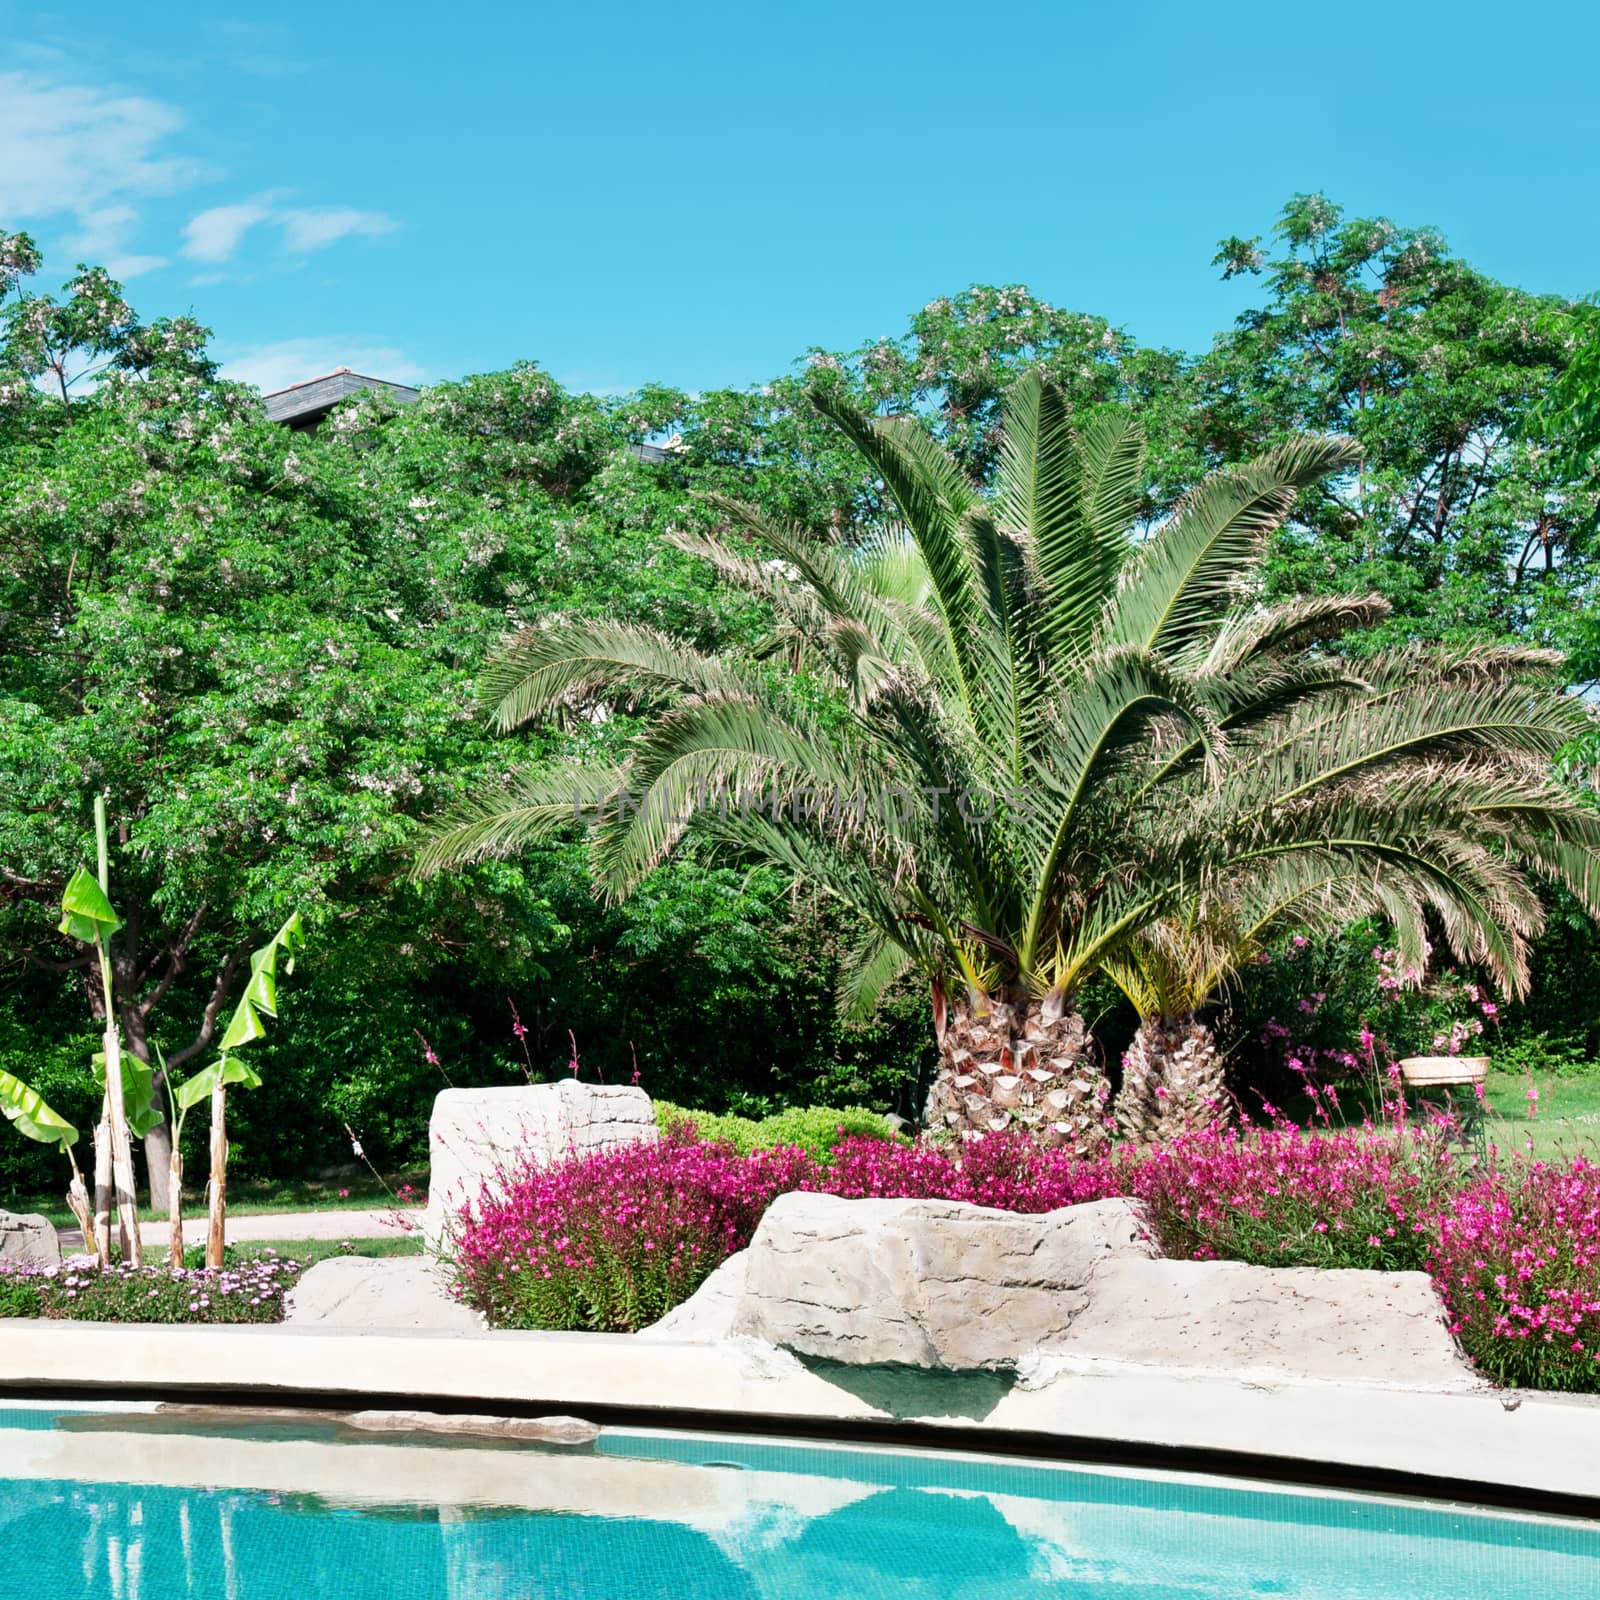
(158, 1141)
(1172, 1080)
(1015, 1060)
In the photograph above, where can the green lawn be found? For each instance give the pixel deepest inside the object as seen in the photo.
(1567, 1122)
(309, 1251)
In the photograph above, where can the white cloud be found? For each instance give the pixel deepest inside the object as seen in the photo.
(305, 231)
(126, 268)
(86, 152)
(78, 149)
(215, 234)
(101, 232)
(102, 238)
(276, 366)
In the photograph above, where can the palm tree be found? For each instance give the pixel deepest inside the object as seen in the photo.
(1016, 740)
(1173, 1070)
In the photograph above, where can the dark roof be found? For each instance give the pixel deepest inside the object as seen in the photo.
(309, 402)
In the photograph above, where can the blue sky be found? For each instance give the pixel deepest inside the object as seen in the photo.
(696, 194)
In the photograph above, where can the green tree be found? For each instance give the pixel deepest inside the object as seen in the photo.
(1081, 737)
(1468, 524)
(255, 646)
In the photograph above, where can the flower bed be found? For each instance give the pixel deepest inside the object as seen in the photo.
(1006, 1170)
(616, 1240)
(1516, 1257)
(1284, 1197)
(252, 1291)
(613, 1241)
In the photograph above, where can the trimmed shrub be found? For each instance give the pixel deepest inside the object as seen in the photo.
(815, 1129)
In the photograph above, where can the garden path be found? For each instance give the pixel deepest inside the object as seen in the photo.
(275, 1225)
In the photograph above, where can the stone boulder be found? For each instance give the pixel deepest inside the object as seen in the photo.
(28, 1241)
(389, 1292)
(926, 1283)
(1265, 1323)
(477, 1135)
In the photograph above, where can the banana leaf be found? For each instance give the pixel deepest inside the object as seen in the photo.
(86, 914)
(27, 1112)
(140, 1107)
(226, 1070)
(259, 1000)
(260, 997)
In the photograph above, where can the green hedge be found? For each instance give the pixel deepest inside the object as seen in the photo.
(814, 1129)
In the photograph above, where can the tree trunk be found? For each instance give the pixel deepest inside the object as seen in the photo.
(121, 1153)
(1014, 1060)
(158, 1142)
(158, 1157)
(217, 1188)
(1172, 1081)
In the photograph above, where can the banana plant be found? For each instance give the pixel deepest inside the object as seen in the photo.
(140, 1107)
(87, 916)
(258, 1002)
(25, 1109)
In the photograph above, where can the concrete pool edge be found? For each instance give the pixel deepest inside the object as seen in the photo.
(1466, 1443)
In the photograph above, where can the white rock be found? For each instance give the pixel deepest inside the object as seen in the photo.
(475, 1136)
(707, 1315)
(927, 1283)
(378, 1292)
(28, 1241)
(1264, 1324)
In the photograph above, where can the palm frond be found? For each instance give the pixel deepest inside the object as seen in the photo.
(566, 665)
(528, 808)
(1181, 584)
(1291, 626)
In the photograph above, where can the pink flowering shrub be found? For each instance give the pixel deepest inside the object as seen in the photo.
(614, 1240)
(1005, 1170)
(1287, 1197)
(1516, 1259)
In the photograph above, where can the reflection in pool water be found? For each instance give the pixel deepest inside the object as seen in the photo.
(132, 1508)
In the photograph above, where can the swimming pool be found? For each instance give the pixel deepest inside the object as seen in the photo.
(137, 1505)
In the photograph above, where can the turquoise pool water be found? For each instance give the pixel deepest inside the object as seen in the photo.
(132, 1506)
